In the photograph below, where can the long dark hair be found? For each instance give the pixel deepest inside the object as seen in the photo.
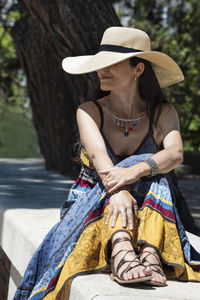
(150, 91)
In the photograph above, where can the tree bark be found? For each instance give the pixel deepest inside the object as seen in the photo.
(50, 31)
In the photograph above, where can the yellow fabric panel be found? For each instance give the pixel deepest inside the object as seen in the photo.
(89, 253)
(162, 235)
(85, 159)
(189, 274)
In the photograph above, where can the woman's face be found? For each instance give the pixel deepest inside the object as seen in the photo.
(118, 76)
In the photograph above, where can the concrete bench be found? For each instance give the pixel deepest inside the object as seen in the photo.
(30, 199)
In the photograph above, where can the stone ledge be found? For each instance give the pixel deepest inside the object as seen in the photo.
(30, 200)
(22, 234)
(24, 225)
(100, 287)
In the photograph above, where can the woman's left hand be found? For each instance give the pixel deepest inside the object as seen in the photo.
(117, 177)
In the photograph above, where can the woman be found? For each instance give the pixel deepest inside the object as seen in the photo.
(120, 212)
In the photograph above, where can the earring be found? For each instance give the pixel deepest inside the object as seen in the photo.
(136, 78)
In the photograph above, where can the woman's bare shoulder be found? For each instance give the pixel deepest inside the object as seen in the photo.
(168, 121)
(90, 105)
(92, 110)
(168, 108)
(168, 113)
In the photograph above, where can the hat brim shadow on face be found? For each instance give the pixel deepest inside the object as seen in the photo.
(166, 69)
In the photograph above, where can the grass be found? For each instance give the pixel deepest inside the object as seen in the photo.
(18, 138)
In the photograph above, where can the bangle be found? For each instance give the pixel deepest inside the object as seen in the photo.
(153, 165)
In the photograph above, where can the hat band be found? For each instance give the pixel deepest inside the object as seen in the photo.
(114, 48)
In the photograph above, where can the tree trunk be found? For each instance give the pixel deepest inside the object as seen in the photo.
(50, 31)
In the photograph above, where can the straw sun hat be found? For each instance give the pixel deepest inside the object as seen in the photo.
(119, 44)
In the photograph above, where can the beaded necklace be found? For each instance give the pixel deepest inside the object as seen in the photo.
(126, 125)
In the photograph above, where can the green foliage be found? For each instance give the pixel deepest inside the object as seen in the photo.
(174, 29)
(17, 136)
(12, 79)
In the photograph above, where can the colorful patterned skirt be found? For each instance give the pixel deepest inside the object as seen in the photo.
(80, 242)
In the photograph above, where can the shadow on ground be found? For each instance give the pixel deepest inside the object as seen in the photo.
(24, 183)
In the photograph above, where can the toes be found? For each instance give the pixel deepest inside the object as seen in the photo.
(125, 276)
(141, 274)
(136, 273)
(130, 275)
(158, 278)
(148, 271)
(154, 275)
(164, 280)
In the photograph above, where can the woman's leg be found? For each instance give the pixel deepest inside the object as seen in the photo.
(150, 258)
(122, 249)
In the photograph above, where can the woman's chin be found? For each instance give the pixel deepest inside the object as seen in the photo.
(105, 87)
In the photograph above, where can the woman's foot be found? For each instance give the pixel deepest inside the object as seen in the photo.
(126, 266)
(149, 258)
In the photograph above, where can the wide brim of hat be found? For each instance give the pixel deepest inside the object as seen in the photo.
(166, 69)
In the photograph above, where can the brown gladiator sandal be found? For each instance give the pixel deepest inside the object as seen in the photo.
(156, 267)
(114, 273)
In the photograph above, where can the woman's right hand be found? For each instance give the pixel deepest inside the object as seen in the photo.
(125, 204)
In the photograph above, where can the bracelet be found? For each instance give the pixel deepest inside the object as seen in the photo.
(153, 165)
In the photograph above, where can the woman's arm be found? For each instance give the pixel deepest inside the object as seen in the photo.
(168, 133)
(88, 120)
(166, 159)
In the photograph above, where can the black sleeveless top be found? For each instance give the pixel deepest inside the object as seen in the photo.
(148, 145)
(149, 139)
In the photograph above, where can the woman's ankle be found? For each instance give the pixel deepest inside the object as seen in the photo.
(120, 234)
(145, 247)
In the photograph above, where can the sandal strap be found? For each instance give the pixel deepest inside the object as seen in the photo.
(157, 270)
(157, 267)
(120, 262)
(150, 253)
(127, 251)
(119, 240)
(113, 257)
(123, 260)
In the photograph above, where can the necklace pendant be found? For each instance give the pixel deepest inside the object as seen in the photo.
(125, 125)
(126, 133)
(118, 123)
